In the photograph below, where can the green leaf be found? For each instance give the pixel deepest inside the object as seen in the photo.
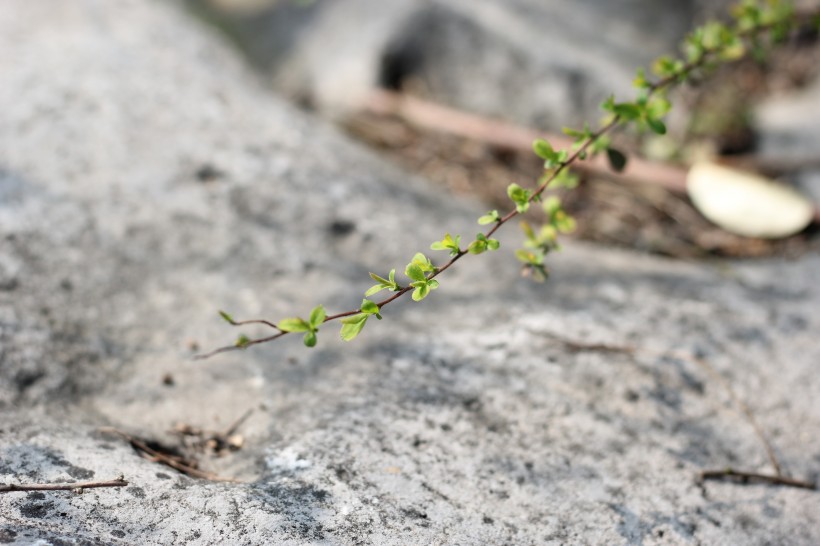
(520, 197)
(564, 179)
(658, 107)
(565, 223)
(351, 326)
(226, 317)
(600, 144)
(477, 247)
(448, 243)
(627, 110)
(667, 66)
(656, 125)
(317, 317)
(617, 160)
(310, 339)
(423, 262)
(378, 279)
(375, 289)
(415, 273)
(489, 218)
(529, 257)
(640, 81)
(543, 149)
(384, 284)
(733, 51)
(242, 341)
(293, 325)
(574, 133)
(527, 229)
(552, 205)
(546, 239)
(369, 307)
(421, 291)
(482, 244)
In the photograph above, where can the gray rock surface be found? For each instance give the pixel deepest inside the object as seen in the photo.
(544, 63)
(147, 179)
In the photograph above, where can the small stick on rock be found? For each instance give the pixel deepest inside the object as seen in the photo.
(238, 423)
(78, 487)
(175, 462)
(750, 477)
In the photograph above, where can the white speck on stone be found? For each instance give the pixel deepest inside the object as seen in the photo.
(287, 460)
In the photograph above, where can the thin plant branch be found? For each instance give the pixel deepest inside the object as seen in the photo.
(752, 477)
(582, 149)
(236, 424)
(76, 487)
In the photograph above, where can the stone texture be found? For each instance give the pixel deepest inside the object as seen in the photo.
(543, 63)
(147, 179)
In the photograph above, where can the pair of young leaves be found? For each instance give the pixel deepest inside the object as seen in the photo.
(480, 245)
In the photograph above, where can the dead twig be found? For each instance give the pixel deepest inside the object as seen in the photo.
(77, 487)
(751, 477)
(236, 424)
(174, 461)
(505, 135)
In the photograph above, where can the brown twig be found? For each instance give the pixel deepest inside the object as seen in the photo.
(236, 424)
(501, 134)
(174, 461)
(751, 477)
(78, 487)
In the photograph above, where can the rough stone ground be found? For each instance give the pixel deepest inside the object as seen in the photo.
(146, 179)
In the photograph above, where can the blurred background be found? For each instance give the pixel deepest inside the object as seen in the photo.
(538, 66)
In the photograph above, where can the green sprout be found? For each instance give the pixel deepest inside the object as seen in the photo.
(352, 326)
(384, 284)
(448, 243)
(310, 326)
